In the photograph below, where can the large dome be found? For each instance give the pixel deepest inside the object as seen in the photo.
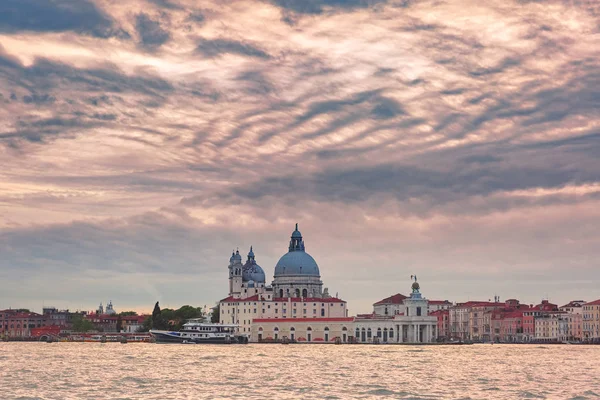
(297, 263)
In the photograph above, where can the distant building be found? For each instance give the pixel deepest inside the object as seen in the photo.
(62, 318)
(410, 322)
(551, 327)
(19, 323)
(591, 321)
(295, 298)
(574, 310)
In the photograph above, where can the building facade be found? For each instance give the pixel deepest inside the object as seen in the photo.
(296, 293)
(574, 310)
(410, 322)
(591, 321)
(19, 323)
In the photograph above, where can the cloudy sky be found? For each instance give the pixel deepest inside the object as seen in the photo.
(142, 141)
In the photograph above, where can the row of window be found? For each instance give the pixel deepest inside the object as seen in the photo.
(276, 304)
(283, 311)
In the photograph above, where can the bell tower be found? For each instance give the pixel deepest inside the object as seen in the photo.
(235, 274)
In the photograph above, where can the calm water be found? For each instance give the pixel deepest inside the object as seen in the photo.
(151, 371)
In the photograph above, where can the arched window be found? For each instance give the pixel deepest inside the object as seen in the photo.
(322, 312)
(304, 293)
(344, 329)
(391, 333)
(309, 329)
(379, 332)
(326, 329)
(280, 292)
(297, 292)
(369, 333)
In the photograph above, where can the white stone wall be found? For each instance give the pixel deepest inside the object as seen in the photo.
(317, 331)
(242, 311)
(392, 309)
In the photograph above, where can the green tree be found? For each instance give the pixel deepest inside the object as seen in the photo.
(81, 325)
(119, 323)
(160, 318)
(216, 314)
(128, 313)
(147, 325)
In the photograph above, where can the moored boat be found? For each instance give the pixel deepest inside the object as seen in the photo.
(196, 331)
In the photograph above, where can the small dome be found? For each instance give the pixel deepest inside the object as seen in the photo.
(297, 263)
(416, 286)
(237, 256)
(296, 234)
(253, 273)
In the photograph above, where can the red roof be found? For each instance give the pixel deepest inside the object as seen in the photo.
(593, 303)
(438, 302)
(439, 312)
(232, 299)
(470, 304)
(395, 299)
(278, 320)
(574, 303)
(21, 315)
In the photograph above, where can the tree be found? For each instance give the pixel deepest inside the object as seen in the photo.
(159, 318)
(119, 323)
(147, 325)
(156, 311)
(81, 325)
(216, 314)
(128, 313)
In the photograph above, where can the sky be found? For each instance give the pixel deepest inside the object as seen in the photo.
(142, 141)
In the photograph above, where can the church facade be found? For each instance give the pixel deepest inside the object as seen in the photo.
(294, 302)
(398, 319)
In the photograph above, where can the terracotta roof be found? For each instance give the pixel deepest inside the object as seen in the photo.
(232, 299)
(279, 320)
(574, 303)
(439, 312)
(20, 315)
(395, 299)
(593, 303)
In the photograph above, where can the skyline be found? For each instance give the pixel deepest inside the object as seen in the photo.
(140, 143)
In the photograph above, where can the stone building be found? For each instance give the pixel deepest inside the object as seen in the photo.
(296, 293)
(409, 322)
(591, 321)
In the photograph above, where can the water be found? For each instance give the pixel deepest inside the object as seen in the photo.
(149, 371)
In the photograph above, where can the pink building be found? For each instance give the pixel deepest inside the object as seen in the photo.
(19, 323)
(443, 323)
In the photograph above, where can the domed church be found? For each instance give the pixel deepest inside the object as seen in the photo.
(296, 291)
(297, 273)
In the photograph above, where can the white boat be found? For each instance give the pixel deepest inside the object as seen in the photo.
(197, 330)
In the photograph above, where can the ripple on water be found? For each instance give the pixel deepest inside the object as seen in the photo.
(530, 395)
(85, 371)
